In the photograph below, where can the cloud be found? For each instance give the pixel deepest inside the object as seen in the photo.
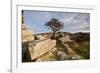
(82, 27)
(76, 22)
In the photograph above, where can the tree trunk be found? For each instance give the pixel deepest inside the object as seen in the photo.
(54, 35)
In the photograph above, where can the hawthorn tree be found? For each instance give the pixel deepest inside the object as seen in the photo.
(55, 25)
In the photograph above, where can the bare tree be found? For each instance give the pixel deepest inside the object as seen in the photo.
(55, 25)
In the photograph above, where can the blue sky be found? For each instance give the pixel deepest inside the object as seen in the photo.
(73, 21)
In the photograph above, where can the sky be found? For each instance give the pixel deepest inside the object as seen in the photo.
(73, 21)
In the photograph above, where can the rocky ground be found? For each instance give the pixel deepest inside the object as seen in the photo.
(67, 46)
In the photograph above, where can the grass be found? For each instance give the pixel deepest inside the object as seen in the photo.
(82, 48)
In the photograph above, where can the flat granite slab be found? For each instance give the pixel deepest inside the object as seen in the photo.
(41, 48)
